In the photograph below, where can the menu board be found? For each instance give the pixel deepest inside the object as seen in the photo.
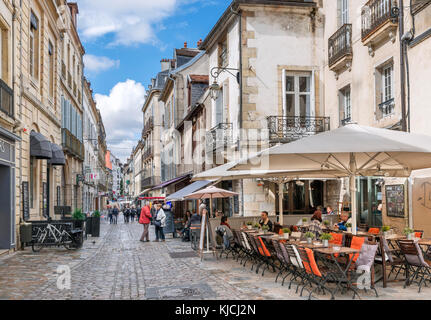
(170, 225)
(395, 201)
(25, 201)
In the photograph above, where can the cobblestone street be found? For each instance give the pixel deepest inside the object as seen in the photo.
(117, 266)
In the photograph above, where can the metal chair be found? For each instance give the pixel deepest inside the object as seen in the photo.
(415, 264)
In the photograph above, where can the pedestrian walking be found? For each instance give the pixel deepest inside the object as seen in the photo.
(134, 212)
(115, 213)
(145, 219)
(160, 223)
(126, 214)
(110, 215)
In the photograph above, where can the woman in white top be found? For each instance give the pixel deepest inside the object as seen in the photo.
(160, 223)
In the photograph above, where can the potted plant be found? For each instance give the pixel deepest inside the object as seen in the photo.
(409, 233)
(385, 230)
(265, 229)
(249, 225)
(326, 223)
(78, 218)
(88, 224)
(256, 226)
(349, 227)
(95, 226)
(310, 236)
(304, 221)
(326, 237)
(286, 233)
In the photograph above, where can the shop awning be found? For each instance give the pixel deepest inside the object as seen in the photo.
(195, 186)
(40, 147)
(57, 156)
(168, 183)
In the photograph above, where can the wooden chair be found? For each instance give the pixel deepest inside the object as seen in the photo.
(388, 258)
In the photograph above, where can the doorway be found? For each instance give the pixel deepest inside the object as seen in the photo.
(7, 215)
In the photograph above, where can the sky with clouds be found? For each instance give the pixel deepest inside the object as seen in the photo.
(124, 42)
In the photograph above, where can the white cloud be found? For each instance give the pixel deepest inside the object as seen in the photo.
(122, 116)
(96, 64)
(130, 21)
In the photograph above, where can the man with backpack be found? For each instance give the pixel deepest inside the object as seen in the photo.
(115, 213)
(145, 219)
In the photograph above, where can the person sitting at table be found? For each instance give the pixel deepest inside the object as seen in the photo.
(344, 220)
(264, 221)
(316, 223)
(224, 222)
(329, 210)
(185, 232)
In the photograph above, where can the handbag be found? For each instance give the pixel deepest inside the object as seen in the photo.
(158, 223)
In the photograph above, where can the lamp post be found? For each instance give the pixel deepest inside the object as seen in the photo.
(215, 73)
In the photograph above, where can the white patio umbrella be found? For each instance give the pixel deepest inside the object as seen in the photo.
(211, 193)
(349, 151)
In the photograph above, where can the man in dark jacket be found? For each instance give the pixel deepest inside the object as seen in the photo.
(115, 213)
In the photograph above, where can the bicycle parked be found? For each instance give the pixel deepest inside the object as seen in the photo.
(50, 235)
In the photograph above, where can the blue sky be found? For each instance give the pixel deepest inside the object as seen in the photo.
(124, 42)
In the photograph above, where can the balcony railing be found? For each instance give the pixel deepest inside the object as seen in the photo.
(387, 107)
(340, 44)
(6, 99)
(71, 144)
(147, 182)
(147, 153)
(149, 125)
(219, 137)
(286, 129)
(374, 14)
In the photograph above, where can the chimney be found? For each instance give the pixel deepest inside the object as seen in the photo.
(166, 64)
(185, 44)
(73, 7)
(153, 82)
(199, 42)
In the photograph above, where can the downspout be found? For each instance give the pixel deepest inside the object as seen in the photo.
(402, 68)
(240, 115)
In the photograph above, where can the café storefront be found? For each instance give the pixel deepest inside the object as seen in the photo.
(7, 189)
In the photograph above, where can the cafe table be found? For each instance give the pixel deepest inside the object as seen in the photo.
(314, 245)
(333, 264)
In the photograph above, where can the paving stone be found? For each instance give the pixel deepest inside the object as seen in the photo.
(118, 266)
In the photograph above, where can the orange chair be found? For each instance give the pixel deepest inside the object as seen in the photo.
(419, 234)
(356, 243)
(314, 275)
(374, 230)
(337, 239)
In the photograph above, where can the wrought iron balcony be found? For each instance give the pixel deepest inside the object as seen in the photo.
(387, 107)
(149, 125)
(71, 144)
(147, 182)
(340, 45)
(219, 137)
(286, 129)
(6, 99)
(375, 14)
(148, 153)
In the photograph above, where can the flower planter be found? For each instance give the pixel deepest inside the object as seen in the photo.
(325, 243)
(249, 227)
(286, 236)
(349, 230)
(95, 227)
(309, 240)
(410, 236)
(88, 225)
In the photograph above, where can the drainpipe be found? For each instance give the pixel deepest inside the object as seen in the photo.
(402, 68)
(240, 115)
